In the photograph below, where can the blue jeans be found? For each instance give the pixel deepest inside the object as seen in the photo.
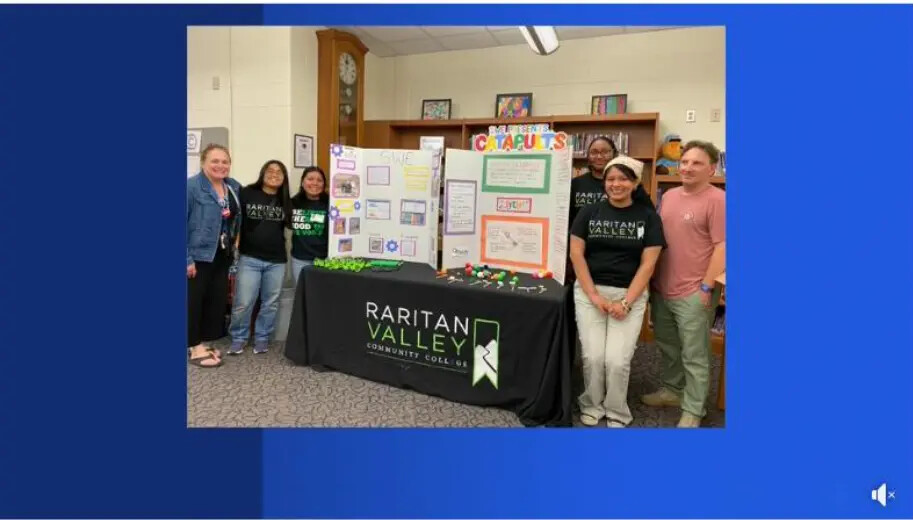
(256, 277)
(297, 266)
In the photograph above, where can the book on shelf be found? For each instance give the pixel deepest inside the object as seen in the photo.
(721, 168)
(579, 143)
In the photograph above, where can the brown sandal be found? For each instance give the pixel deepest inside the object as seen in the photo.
(199, 361)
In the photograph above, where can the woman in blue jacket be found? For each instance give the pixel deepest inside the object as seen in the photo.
(213, 222)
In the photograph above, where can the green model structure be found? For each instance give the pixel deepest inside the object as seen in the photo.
(354, 264)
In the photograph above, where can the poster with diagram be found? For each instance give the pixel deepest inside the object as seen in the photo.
(381, 204)
(507, 209)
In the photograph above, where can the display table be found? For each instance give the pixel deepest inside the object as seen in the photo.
(472, 344)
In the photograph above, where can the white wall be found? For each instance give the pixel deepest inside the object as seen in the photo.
(303, 67)
(268, 91)
(208, 57)
(380, 88)
(665, 71)
(261, 98)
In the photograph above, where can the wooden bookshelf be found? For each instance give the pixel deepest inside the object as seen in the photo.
(642, 131)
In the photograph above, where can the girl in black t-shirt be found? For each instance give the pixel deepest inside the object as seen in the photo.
(265, 206)
(586, 189)
(309, 220)
(614, 247)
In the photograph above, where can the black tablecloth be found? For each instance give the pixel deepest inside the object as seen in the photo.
(467, 343)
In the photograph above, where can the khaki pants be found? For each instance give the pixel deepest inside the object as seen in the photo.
(681, 327)
(607, 348)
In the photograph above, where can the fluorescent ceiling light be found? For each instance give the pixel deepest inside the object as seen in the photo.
(541, 39)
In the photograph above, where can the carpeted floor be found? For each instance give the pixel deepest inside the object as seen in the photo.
(267, 390)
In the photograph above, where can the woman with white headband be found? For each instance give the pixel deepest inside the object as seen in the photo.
(615, 244)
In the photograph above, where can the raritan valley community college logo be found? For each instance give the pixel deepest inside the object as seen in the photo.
(455, 343)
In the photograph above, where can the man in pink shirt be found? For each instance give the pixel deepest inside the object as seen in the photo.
(684, 294)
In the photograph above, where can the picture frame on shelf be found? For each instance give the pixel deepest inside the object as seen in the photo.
(435, 109)
(510, 106)
(609, 104)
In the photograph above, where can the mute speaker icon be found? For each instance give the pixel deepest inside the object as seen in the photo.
(880, 495)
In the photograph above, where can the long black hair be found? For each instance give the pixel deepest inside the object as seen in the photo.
(283, 192)
(639, 195)
(324, 197)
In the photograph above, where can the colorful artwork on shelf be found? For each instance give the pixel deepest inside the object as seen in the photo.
(609, 104)
(508, 106)
(435, 109)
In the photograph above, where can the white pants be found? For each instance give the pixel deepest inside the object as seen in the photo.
(607, 347)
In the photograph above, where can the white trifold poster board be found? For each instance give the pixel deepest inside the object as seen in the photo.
(508, 210)
(382, 204)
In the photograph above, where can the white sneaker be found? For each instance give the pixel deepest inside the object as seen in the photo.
(689, 421)
(662, 397)
(588, 420)
(614, 424)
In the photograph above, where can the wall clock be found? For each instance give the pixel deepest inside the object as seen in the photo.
(340, 92)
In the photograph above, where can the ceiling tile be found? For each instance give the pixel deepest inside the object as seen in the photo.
(381, 50)
(642, 28)
(418, 46)
(435, 30)
(509, 36)
(367, 39)
(572, 33)
(399, 41)
(394, 34)
(479, 40)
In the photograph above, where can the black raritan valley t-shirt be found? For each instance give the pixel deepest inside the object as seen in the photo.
(585, 190)
(615, 239)
(309, 228)
(263, 226)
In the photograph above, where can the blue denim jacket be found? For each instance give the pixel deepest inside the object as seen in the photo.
(204, 217)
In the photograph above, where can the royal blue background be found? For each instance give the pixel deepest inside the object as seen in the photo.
(92, 325)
